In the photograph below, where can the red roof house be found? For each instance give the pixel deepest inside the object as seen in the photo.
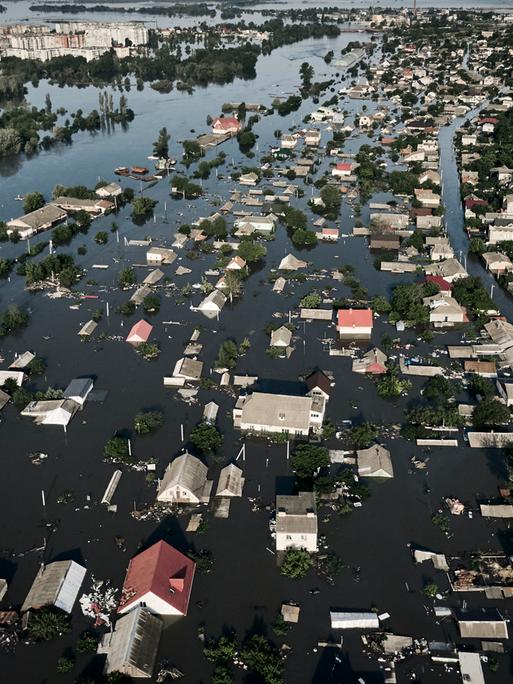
(471, 202)
(159, 579)
(441, 282)
(355, 323)
(140, 332)
(342, 169)
(226, 124)
(330, 233)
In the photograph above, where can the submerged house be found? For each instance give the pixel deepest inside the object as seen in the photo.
(78, 390)
(230, 482)
(159, 579)
(36, 221)
(375, 462)
(373, 362)
(226, 124)
(212, 304)
(185, 482)
(56, 584)
(51, 411)
(296, 522)
(282, 337)
(132, 647)
(139, 333)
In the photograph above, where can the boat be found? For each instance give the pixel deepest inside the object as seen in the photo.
(139, 170)
(19, 198)
(122, 171)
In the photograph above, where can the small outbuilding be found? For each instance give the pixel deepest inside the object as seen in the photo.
(230, 482)
(131, 648)
(56, 584)
(354, 620)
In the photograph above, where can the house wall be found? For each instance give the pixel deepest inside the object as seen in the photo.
(273, 428)
(355, 333)
(153, 603)
(178, 494)
(306, 541)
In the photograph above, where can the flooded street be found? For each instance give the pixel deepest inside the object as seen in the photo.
(245, 590)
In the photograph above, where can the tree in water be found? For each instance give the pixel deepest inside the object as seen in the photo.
(161, 145)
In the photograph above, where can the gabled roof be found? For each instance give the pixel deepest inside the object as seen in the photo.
(226, 122)
(188, 472)
(291, 263)
(132, 647)
(441, 282)
(163, 571)
(320, 380)
(230, 482)
(56, 584)
(139, 332)
(355, 318)
(375, 461)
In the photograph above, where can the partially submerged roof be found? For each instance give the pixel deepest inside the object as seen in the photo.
(56, 584)
(140, 332)
(88, 328)
(22, 361)
(375, 462)
(281, 337)
(4, 398)
(190, 369)
(291, 263)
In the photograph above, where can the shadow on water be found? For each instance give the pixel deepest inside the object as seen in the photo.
(169, 530)
(334, 667)
(285, 485)
(71, 554)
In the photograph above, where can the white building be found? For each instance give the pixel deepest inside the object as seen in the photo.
(281, 413)
(296, 522)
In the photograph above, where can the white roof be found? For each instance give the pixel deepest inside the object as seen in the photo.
(471, 669)
(354, 620)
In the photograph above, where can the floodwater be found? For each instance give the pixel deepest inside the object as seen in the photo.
(18, 10)
(244, 590)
